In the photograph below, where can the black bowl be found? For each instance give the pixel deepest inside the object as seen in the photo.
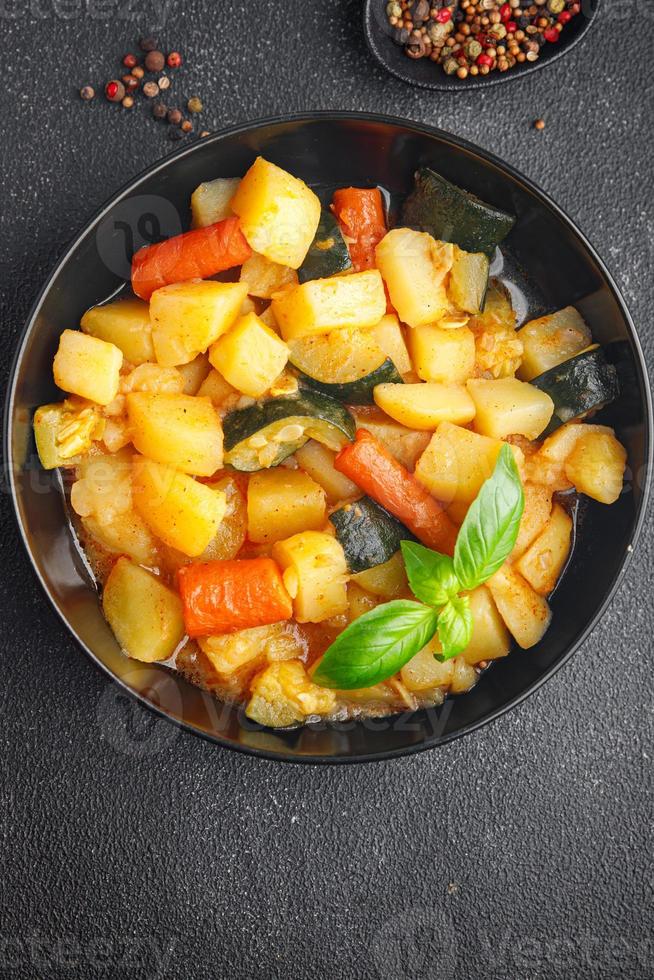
(330, 149)
(426, 74)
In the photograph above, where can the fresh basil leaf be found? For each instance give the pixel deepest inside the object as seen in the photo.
(431, 575)
(454, 627)
(376, 645)
(491, 526)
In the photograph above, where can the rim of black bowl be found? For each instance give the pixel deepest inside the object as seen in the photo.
(419, 72)
(436, 740)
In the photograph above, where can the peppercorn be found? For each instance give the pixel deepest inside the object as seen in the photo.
(87, 92)
(150, 90)
(159, 110)
(186, 126)
(130, 60)
(450, 66)
(194, 104)
(174, 59)
(539, 124)
(147, 44)
(154, 60)
(174, 117)
(205, 132)
(130, 82)
(462, 72)
(163, 82)
(551, 34)
(127, 102)
(138, 72)
(114, 90)
(555, 6)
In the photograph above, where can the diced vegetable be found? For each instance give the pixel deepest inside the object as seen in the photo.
(211, 201)
(542, 563)
(179, 430)
(464, 676)
(250, 649)
(197, 254)
(217, 389)
(281, 503)
(414, 267)
(279, 213)
(368, 534)
(506, 406)
(446, 356)
(583, 384)
(232, 530)
(346, 364)
(454, 215)
(360, 214)
(188, 317)
(369, 464)
(552, 339)
(490, 637)
(547, 465)
(65, 431)
(225, 596)
(318, 461)
(388, 334)
(124, 323)
(87, 366)
(596, 466)
(468, 280)
(194, 373)
(185, 514)
(328, 304)
(387, 580)
(538, 507)
(145, 615)
(264, 434)
(283, 695)
(406, 445)
(424, 406)
(498, 347)
(423, 673)
(154, 378)
(250, 356)
(328, 254)
(265, 278)
(457, 462)
(526, 614)
(359, 601)
(315, 575)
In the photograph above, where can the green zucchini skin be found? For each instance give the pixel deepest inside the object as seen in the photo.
(328, 253)
(368, 534)
(358, 392)
(310, 408)
(451, 214)
(582, 384)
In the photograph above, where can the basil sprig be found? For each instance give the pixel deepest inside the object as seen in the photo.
(379, 643)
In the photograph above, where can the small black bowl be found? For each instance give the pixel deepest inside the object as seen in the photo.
(371, 150)
(427, 74)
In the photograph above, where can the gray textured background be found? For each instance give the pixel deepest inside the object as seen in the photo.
(130, 849)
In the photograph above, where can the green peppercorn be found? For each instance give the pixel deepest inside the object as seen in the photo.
(194, 104)
(555, 6)
(498, 31)
(450, 66)
(472, 49)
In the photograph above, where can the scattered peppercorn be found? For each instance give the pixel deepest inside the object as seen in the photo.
(174, 117)
(174, 59)
(130, 82)
(539, 124)
(147, 44)
(154, 61)
(186, 126)
(205, 132)
(138, 72)
(130, 61)
(127, 102)
(194, 104)
(159, 110)
(114, 90)
(87, 92)
(163, 82)
(150, 90)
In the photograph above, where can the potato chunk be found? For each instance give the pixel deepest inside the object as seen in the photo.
(387, 580)
(390, 337)
(145, 615)
(125, 323)
(180, 430)
(552, 339)
(231, 653)
(87, 366)
(250, 356)
(596, 466)
(185, 514)
(265, 278)
(490, 637)
(438, 354)
(187, 317)
(218, 389)
(283, 502)
(506, 406)
(315, 575)
(407, 445)
(283, 695)
(543, 562)
(414, 267)
(318, 461)
(426, 405)
(321, 305)
(211, 201)
(538, 507)
(279, 213)
(423, 673)
(525, 613)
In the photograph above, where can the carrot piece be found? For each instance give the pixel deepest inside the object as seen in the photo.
(225, 596)
(360, 214)
(368, 463)
(196, 254)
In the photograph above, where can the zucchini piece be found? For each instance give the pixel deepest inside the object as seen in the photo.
(368, 534)
(345, 364)
(328, 254)
(469, 280)
(584, 383)
(451, 214)
(264, 434)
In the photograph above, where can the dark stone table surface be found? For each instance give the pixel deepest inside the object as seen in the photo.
(130, 849)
